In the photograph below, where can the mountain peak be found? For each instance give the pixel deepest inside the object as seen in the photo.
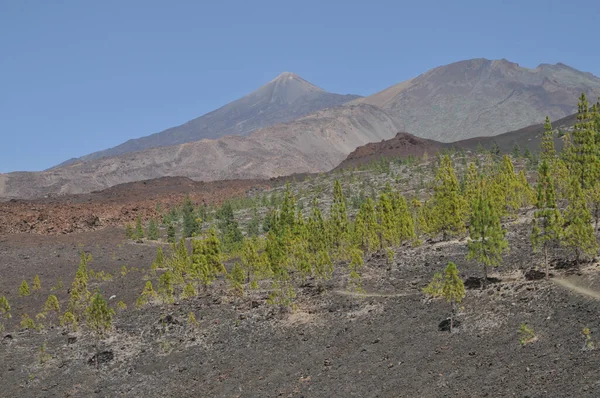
(287, 88)
(288, 75)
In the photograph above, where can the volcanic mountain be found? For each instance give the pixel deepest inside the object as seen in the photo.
(480, 97)
(454, 102)
(284, 98)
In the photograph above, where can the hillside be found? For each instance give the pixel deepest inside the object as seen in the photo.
(481, 97)
(405, 144)
(313, 143)
(285, 98)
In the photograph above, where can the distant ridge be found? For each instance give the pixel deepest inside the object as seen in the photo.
(284, 98)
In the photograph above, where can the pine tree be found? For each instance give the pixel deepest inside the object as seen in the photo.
(448, 205)
(254, 224)
(582, 155)
(190, 225)
(52, 304)
(98, 316)
(129, 233)
(37, 284)
(236, 278)
(24, 289)
(231, 235)
(578, 230)
(171, 233)
(189, 291)
(453, 289)
(252, 263)
(166, 290)
(547, 222)
(153, 233)
(510, 187)
(159, 261)
(471, 187)
(405, 228)
(139, 231)
(316, 230)
(147, 294)
(548, 153)
(356, 264)
(366, 227)
(4, 307)
(338, 216)
(79, 287)
(387, 226)
(487, 241)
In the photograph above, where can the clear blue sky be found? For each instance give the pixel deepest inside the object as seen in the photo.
(80, 76)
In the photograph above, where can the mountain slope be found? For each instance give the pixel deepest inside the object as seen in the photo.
(314, 143)
(480, 97)
(405, 144)
(281, 100)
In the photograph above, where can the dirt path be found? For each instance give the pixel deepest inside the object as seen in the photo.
(577, 289)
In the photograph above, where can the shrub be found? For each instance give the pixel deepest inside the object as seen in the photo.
(526, 334)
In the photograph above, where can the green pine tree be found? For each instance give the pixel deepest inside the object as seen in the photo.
(4, 307)
(139, 231)
(36, 284)
(52, 304)
(548, 153)
(547, 222)
(98, 316)
(453, 289)
(153, 233)
(448, 205)
(338, 216)
(578, 230)
(582, 159)
(171, 233)
(487, 238)
(24, 289)
(365, 231)
(190, 224)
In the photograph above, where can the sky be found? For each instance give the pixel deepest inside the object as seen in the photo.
(82, 76)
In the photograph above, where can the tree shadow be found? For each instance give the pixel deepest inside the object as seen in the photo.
(475, 282)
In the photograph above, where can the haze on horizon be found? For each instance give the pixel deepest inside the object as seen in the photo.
(79, 78)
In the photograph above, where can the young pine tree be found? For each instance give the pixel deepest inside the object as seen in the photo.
(190, 225)
(487, 238)
(547, 221)
(52, 304)
(338, 216)
(365, 231)
(24, 289)
(453, 289)
(37, 284)
(153, 229)
(448, 205)
(548, 153)
(578, 230)
(98, 316)
(139, 230)
(171, 233)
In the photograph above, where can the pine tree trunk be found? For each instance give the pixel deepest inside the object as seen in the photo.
(485, 277)
(452, 317)
(546, 260)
